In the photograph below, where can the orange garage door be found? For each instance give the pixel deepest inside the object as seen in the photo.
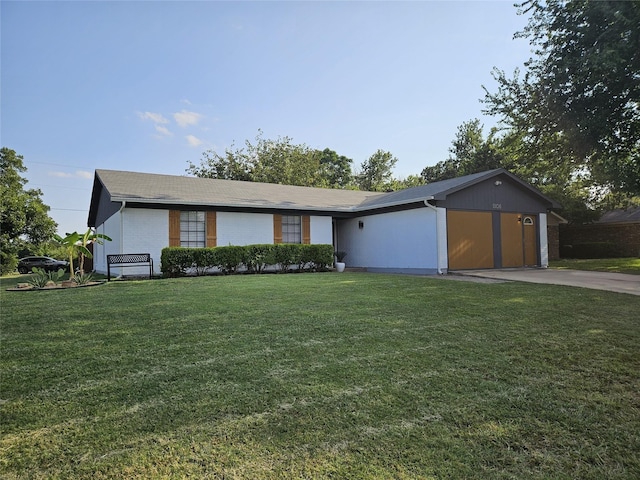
(469, 239)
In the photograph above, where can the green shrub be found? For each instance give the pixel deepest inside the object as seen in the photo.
(205, 259)
(41, 278)
(176, 261)
(285, 255)
(229, 258)
(321, 256)
(83, 278)
(257, 257)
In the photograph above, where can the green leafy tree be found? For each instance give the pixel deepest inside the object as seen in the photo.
(579, 98)
(376, 172)
(282, 161)
(335, 170)
(24, 219)
(276, 161)
(232, 165)
(470, 153)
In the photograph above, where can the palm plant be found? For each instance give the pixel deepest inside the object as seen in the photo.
(90, 237)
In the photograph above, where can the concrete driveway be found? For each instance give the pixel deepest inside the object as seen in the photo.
(613, 282)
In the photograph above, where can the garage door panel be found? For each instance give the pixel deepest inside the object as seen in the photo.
(470, 239)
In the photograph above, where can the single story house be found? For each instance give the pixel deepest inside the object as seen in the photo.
(485, 220)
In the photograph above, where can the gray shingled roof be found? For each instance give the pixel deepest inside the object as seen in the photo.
(627, 215)
(176, 190)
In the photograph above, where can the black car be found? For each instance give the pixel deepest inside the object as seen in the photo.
(47, 263)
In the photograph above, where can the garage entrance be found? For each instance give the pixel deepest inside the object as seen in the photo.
(469, 239)
(473, 241)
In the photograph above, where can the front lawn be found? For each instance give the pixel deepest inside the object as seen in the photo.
(319, 375)
(615, 265)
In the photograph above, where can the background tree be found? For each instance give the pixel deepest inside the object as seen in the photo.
(376, 172)
(579, 98)
(24, 220)
(335, 170)
(276, 161)
(470, 153)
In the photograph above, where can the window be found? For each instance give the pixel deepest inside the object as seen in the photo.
(291, 229)
(192, 229)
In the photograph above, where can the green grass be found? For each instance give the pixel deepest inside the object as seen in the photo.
(616, 265)
(319, 376)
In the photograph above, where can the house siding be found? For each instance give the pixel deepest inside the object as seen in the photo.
(487, 196)
(244, 228)
(392, 242)
(112, 228)
(133, 230)
(321, 230)
(144, 231)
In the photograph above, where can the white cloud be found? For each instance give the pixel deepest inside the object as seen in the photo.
(186, 118)
(77, 174)
(193, 141)
(61, 174)
(154, 117)
(163, 130)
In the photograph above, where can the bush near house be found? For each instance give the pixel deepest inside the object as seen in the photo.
(178, 261)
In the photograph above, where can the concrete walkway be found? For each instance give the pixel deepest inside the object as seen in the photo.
(613, 282)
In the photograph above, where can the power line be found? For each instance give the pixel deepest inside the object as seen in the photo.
(56, 164)
(69, 209)
(58, 186)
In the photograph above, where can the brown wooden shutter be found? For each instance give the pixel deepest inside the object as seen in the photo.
(277, 228)
(306, 229)
(212, 237)
(174, 228)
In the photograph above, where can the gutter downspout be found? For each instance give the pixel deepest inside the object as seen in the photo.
(124, 204)
(427, 204)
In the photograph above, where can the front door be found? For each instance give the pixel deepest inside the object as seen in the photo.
(518, 238)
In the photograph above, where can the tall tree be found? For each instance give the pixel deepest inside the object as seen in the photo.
(276, 161)
(469, 153)
(376, 172)
(23, 215)
(579, 98)
(335, 170)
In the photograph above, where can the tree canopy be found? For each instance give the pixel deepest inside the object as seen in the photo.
(579, 98)
(276, 161)
(24, 218)
(376, 173)
(287, 163)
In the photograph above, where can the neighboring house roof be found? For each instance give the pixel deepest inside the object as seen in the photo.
(168, 190)
(620, 215)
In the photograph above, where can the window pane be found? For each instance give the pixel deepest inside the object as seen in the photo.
(291, 229)
(192, 229)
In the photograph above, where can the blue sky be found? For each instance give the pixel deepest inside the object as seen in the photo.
(149, 85)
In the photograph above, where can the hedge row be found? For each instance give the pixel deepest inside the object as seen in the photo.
(281, 257)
